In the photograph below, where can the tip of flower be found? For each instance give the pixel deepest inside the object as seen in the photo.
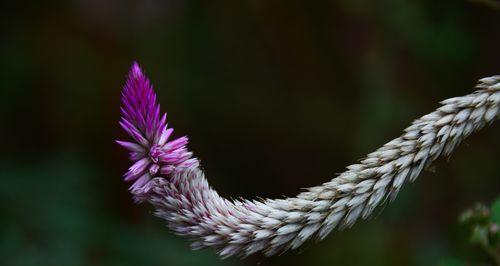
(135, 70)
(139, 107)
(151, 150)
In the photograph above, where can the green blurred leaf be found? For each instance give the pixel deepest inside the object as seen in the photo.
(495, 211)
(479, 234)
(478, 215)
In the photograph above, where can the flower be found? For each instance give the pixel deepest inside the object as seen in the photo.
(151, 150)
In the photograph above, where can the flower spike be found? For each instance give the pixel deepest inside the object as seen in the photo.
(151, 149)
(165, 175)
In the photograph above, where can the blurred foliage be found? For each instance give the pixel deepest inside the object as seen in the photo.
(484, 227)
(482, 224)
(274, 95)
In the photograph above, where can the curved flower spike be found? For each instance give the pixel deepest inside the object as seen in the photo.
(182, 196)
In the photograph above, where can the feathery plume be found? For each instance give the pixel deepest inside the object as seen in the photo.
(152, 150)
(183, 197)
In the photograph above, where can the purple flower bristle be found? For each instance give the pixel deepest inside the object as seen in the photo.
(151, 150)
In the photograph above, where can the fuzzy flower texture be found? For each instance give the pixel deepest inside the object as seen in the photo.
(164, 174)
(153, 152)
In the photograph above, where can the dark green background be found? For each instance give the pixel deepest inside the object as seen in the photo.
(274, 95)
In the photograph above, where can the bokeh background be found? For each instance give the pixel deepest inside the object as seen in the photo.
(275, 96)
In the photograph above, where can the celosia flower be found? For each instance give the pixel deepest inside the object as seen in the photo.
(184, 198)
(152, 151)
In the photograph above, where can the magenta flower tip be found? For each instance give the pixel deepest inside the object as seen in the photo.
(151, 150)
(135, 70)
